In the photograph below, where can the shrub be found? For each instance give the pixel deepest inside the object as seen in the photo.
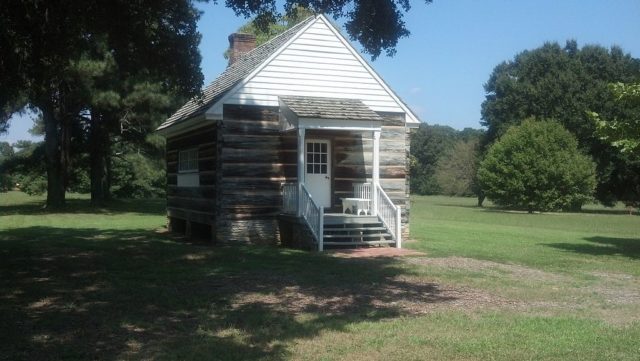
(536, 166)
(138, 176)
(456, 170)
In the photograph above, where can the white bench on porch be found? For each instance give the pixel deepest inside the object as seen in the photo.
(360, 203)
(356, 206)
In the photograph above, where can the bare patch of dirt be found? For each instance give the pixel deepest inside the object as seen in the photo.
(371, 252)
(472, 264)
(400, 295)
(613, 298)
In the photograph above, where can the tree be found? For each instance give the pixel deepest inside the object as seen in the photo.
(6, 153)
(376, 24)
(25, 167)
(622, 132)
(536, 166)
(428, 144)
(564, 83)
(456, 169)
(44, 45)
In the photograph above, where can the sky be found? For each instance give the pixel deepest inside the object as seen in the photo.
(440, 69)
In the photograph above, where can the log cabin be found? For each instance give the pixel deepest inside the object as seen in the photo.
(298, 142)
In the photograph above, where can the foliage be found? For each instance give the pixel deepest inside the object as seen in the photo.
(137, 171)
(24, 167)
(6, 179)
(456, 169)
(537, 166)
(622, 132)
(67, 59)
(429, 143)
(138, 176)
(564, 83)
(376, 25)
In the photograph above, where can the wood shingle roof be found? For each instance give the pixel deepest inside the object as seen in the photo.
(329, 108)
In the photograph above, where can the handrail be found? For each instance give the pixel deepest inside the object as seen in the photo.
(290, 198)
(313, 215)
(390, 215)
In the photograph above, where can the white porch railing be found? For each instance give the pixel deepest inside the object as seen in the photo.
(290, 198)
(389, 213)
(313, 215)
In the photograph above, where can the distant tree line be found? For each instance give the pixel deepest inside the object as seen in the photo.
(562, 128)
(443, 160)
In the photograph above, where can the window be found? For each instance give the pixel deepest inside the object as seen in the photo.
(188, 161)
(317, 158)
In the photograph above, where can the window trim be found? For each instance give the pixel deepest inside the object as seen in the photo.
(187, 152)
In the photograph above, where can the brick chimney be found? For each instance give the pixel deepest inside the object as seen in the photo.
(240, 43)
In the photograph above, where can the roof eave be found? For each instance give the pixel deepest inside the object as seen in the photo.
(183, 126)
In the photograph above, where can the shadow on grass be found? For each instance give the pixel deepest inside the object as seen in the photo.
(141, 206)
(112, 294)
(604, 246)
(610, 211)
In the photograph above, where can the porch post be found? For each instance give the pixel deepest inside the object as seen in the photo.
(376, 172)
(301, 155)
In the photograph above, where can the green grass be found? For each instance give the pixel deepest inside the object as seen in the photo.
(598, 239)
(106, 284)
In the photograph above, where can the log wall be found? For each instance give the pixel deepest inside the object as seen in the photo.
(255, 159)
(193, 204)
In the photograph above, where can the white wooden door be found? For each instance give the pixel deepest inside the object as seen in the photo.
(318, 171)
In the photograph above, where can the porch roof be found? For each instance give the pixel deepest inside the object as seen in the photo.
(329, 108)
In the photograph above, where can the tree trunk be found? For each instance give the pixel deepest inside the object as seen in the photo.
(481, 197)
(65, 146)
(99, 157)
(55, 169)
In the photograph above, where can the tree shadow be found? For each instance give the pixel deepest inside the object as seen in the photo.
(604, 246)
(499, 209)
(76, 206)
(86, 293)
(610, 211)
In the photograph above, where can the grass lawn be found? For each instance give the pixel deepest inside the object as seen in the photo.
(110, 284)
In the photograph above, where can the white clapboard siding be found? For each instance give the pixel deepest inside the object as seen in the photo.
(316, 63)
(279, 77)
(311, 73)
(260, 88)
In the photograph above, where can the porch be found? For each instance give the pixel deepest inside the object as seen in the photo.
(365, 216)
(382, 226)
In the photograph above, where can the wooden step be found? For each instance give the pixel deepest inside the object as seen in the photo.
(348, 229)
(359, 243)
(379, 235)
